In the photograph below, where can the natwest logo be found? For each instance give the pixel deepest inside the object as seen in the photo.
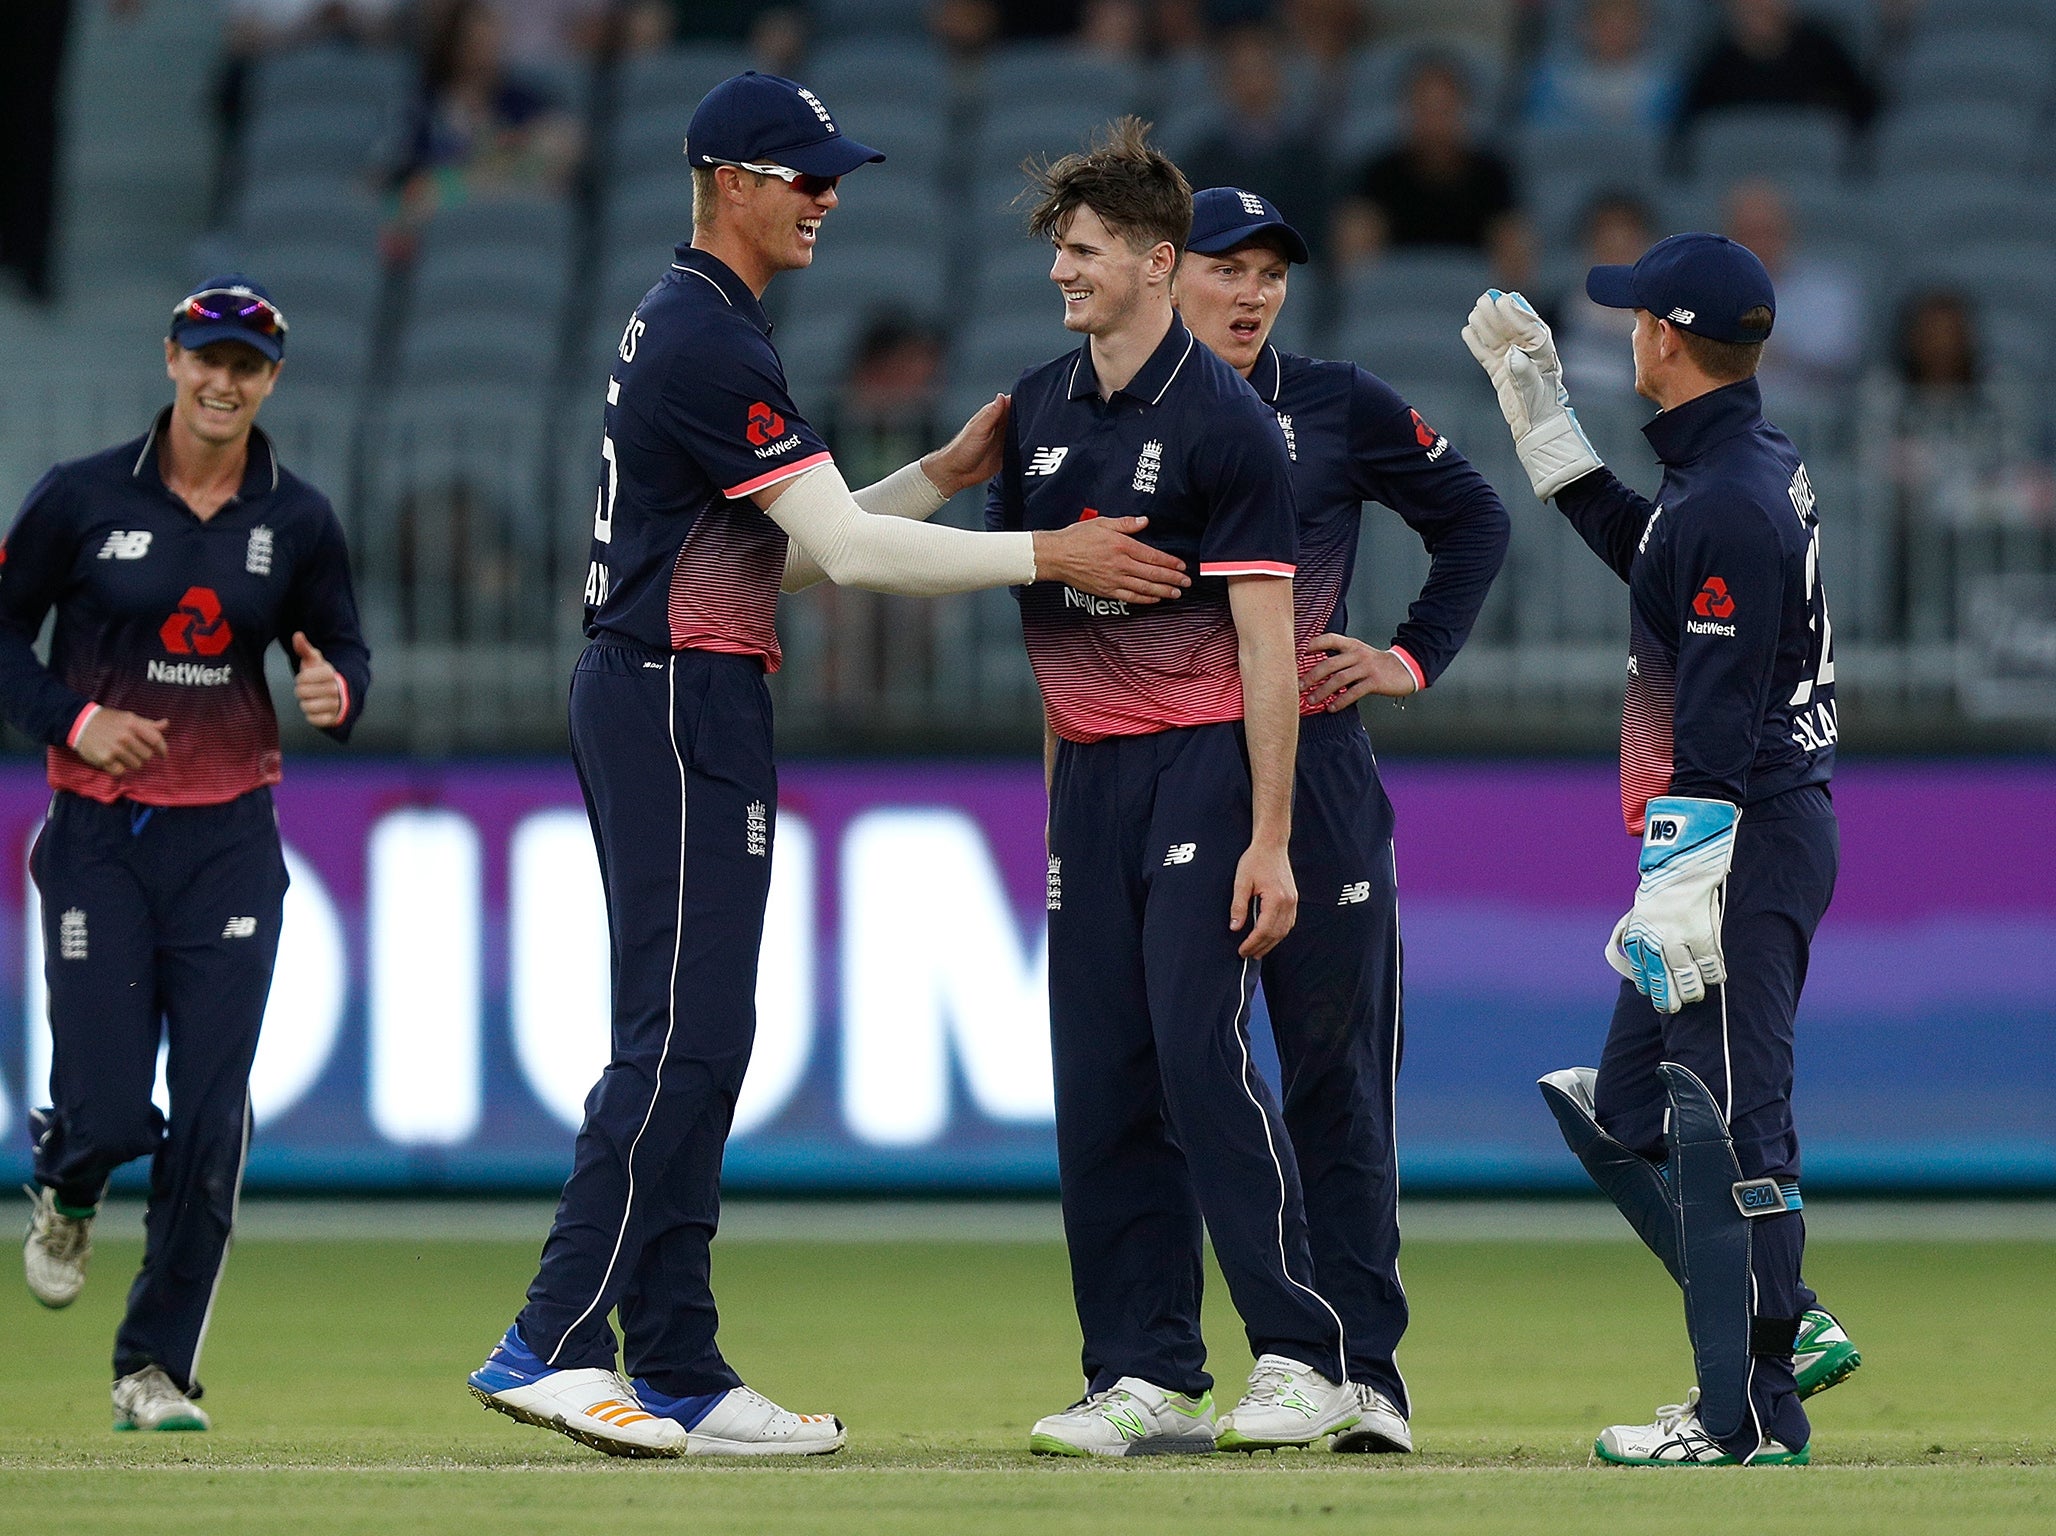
(198, 627)
(765, 424)
(1714, 600)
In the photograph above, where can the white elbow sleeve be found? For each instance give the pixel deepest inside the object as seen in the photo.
(890, 554)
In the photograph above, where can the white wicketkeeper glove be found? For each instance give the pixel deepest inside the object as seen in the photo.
(1669, 943)
(1512, 344)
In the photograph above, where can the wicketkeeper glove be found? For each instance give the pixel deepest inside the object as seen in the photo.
(1669, 943)
(1512, 344)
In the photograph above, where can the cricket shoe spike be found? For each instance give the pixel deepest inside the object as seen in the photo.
(1676, 1439)
(1133, 1417)
(1287, 1403)
(1382, 1429)
(150, 1400)
(1824, 1356)
(594, 1407)
(56, 1250)
(740, 1422)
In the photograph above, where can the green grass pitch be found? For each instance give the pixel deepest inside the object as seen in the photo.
(335, 1375)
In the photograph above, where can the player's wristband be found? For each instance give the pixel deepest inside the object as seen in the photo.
(78, 726)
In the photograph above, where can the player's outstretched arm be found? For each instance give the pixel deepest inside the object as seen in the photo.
(919, 491)
(1262, 606)
(887, 554)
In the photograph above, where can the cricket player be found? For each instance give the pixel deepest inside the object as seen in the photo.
(1171, 734)
(708, 474)
(173, 562)
(1727, 745)
(1333, 984)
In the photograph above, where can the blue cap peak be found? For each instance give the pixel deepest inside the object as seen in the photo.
(1699, 282)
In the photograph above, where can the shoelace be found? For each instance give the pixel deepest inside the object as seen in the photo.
(1671, 1415)
(64, 1238)
(1267, 1384)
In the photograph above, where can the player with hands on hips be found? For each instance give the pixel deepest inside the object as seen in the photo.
(1727, 745)
(172, 563)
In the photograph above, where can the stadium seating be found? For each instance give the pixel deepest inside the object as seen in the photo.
(1762, 141)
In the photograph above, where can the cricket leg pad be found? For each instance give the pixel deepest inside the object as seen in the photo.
(1627, 1178)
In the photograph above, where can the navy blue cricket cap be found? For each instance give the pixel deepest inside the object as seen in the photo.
(229, 308)
(768, 120)
(1701, 283)
(1226, 217)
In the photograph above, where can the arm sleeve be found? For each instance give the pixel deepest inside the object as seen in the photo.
(323, 602)
(887, 554)
(1728, 583)
(1253, 524)
(1608, 516)
(906, 492)
(33, 565)
(1397, 458)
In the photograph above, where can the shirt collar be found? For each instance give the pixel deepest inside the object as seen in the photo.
(1687, 431)
(689, 258)
(1151, 380)
(260, 474)
(1267, 378)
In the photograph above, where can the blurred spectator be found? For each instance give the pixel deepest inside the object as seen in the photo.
(1959, 455)
(478, 126)
(552, 35)
(1262, 141)
(1438, 186)
(1114, 29)
(32, 39)
(1818, 339)
(1594, 341)
(776, 35)
(1770, 56)
(884, 413)
(964, 28)
(1614, 78)
(1325, 35)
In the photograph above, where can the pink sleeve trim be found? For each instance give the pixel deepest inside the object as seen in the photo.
(71, 737)
(343, 689)
(1246, 568)
(1420, 677)
(785, 472)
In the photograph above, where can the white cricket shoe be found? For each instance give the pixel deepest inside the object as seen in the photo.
(747, 1423)
(149, 1399)
(1287, 1403)
(1676, 1439)
(55, 1251)
(1382, 1428)
(1133, 1417)
(594, 1407)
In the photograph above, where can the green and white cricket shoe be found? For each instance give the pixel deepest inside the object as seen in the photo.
(1382, 1429)
(56, 1250)
(149, 1399)
(1287, 1403)
(1677, 1440)
(1824, 1355)
(1130, 1418)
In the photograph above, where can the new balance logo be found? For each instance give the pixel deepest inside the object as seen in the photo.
(240, 928)
(1180, 853)
(1045, 461)
(122, 545)
(71, 935)
(1352, 894)
(1126, 1422)
(1683, 316)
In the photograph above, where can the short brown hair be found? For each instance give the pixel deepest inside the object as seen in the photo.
(1729, 362)
(1130, 183)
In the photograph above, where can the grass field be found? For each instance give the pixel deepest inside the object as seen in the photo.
(335, 1375)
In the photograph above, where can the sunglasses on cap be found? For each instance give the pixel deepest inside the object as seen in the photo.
(805, 181)
(214, 306)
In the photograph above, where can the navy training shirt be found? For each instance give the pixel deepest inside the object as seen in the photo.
(169, 616)
(698, 418)
(1352, 439)
(1187, 444)
(1731, 672)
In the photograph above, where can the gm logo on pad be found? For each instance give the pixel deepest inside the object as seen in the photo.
(1663, 829)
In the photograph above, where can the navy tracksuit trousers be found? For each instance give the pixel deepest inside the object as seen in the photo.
(160, 924)
(673, 751)
(1162, 1118)
(1333, 990)
(1739, 1043)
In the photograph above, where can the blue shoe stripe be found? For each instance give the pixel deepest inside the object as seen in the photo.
(511, 1364)
(684, 1411)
